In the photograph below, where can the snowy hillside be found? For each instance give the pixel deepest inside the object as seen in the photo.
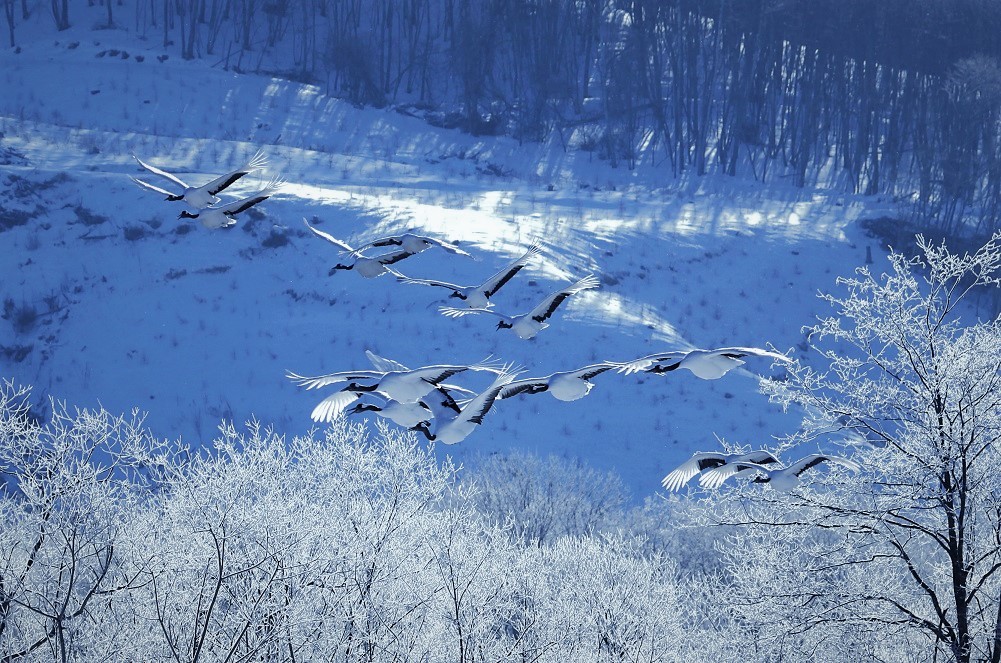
(110, 299)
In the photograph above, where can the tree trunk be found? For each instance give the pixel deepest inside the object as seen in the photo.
(8, 10)
(60, 14)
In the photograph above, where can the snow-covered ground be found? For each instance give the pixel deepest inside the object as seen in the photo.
(135, 308)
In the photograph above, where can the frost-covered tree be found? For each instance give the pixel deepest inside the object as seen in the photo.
(341, 545)
(68, 487)
(543, 499)
(902, 560)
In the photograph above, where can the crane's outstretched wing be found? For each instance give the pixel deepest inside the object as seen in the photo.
(146, 185)
(805, 463)
(699, 462)
(393, 257)
(315, 382)
(672, 358)
(333, 405)
(238, 206)
(588, 372)
(327, 236)
(497, 281)
(452, 312)
(385, 365)
(545, 309)
(476, 409)
(257, 162)
(526, 386)
(402, 278)
(162, 173)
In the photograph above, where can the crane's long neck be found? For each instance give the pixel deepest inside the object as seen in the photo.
(423, 428)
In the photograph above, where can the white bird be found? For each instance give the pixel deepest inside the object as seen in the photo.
(407, 415)
(564, 386)
(224, 216)
(368, 268)
(706, 364)
(409, 242)
(202, 196)
(782, 478)
(441, 396)
(407, 386)
(334, 405)
(458, 428)
(478, 296)
(529, 324)
(442, 392)
(707, 461)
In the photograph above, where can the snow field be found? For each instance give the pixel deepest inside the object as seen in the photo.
(197, 326)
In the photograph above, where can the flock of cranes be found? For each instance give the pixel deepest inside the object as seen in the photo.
(421, 400)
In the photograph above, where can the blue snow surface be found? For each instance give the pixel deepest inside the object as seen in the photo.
(135, 308)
